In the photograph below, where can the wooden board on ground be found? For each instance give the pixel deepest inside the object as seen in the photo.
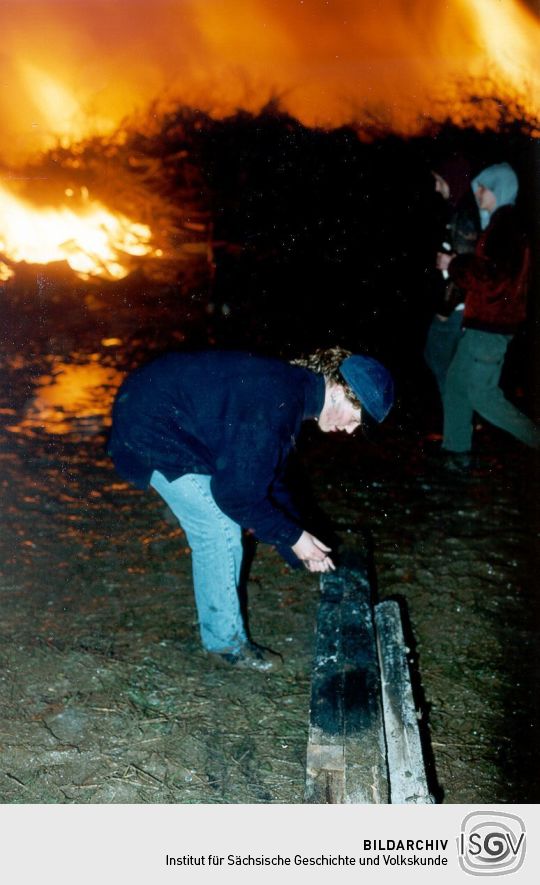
(346, 756)
(408, 784)
(364, 742)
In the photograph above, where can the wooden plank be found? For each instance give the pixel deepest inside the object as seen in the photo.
(325, 763)
(408, 783)
(346, 760)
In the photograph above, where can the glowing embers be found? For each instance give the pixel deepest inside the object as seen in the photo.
(94, 241)
(71, 399)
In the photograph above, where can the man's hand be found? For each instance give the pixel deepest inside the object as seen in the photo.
(443, 260)
(313, 553)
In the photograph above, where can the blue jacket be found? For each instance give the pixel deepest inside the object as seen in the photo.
(231, 415)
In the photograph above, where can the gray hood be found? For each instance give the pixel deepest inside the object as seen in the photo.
(502, 180)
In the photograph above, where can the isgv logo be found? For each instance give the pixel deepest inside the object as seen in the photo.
(491, 843)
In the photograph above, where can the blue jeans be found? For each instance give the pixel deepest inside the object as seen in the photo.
(216, 549)
(472, 385)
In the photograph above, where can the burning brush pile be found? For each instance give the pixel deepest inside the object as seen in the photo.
(259, 202)
(104, 196)
(105, 207)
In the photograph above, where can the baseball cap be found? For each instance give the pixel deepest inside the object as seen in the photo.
(371, 383)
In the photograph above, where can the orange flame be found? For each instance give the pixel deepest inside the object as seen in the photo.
(6, 273)
(70, 70)
(93, 240)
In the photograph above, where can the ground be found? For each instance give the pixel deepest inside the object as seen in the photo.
(106, 695)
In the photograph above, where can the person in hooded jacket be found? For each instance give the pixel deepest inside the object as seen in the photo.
(494, 281)
(212, 433)
(452, 178)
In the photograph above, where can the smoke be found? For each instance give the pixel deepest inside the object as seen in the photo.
(70, 69)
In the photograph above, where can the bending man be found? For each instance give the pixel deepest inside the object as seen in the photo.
(212, 432)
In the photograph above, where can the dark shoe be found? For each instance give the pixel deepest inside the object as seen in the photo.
(445, 463)
(251, 657)
(456, 462)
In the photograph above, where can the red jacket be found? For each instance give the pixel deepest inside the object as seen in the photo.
(495, 279)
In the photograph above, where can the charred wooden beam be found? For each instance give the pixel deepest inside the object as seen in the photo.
(346, 760)
(364, 743)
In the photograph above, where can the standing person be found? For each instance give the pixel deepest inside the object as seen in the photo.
(211, 432)
(494, 281)
(452, 182)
